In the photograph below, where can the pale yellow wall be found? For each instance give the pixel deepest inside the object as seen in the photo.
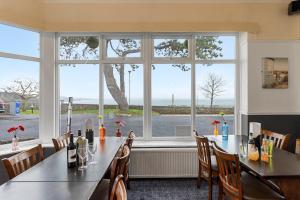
(28, 13)
(265, 20)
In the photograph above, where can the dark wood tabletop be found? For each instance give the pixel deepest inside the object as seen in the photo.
(282, 164)
(47, 190)
(51, 179)
(54, 168)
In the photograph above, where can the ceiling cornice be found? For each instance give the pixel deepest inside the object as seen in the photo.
(159, 1)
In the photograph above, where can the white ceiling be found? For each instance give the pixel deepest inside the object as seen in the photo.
(165, 1)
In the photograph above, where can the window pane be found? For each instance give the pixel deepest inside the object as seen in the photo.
(171, 48)
(82, 83)
(19, 41)
(19, 98)
(125, 47)
(79, 48)
(171, 100)
(215, 93)
(123, 98)
(215, 47)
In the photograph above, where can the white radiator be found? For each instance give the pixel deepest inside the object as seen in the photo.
(163, 162)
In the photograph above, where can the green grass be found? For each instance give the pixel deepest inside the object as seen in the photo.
(29, 112)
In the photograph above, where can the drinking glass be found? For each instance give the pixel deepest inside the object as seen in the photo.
(92, 151)
(243, 149)
(270, 152)
(82, 154)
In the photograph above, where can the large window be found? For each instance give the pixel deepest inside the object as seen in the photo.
(80, 81)
(155, 84)
(19, 85)
(171, 100)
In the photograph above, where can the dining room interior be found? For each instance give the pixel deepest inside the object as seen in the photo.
(149, 99)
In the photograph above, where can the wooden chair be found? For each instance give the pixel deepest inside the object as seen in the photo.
(208, 169)
(118, 191)
(280, 141)
(239, 186)
(297, 149)
(20, 162)
(117, 168)
(61, 142)
(129, 142)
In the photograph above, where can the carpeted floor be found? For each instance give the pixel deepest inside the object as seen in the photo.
(168, 189)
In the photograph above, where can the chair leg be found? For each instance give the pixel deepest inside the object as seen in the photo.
(210, 185)
(128, 184)
(199, 180)
(220, 191)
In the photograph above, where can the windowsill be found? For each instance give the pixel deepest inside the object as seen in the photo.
(6, 148)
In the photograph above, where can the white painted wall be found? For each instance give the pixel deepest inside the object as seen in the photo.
(272, 101)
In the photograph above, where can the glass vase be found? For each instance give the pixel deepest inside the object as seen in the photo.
(216, 130)
(15, 143)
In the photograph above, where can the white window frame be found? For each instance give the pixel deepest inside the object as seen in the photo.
(25, 58)
(147, 59)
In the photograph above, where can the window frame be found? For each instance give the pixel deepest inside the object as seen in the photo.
(147, 59)
(38, 60)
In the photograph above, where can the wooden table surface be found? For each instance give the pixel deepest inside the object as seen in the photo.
(282, 164)
(283, 169)
(51, 179)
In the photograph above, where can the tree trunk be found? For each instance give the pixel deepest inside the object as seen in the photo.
(122, 79)
(211, 103)
(113, 88)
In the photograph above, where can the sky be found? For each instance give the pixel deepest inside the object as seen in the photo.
(82, 81)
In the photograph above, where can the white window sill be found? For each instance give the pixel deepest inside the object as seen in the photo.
(6, 148)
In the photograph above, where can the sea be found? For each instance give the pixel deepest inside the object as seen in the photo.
(160, 102)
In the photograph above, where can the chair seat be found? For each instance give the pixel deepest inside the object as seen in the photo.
(256, 190)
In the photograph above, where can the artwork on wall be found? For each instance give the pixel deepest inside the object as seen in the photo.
(275, 73)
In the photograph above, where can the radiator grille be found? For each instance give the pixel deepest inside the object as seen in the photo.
(163, 163)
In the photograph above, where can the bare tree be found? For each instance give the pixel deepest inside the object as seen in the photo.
(24, 89)
(213, 87)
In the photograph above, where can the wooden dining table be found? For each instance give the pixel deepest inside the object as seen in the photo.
(51, 179)
(281, 172)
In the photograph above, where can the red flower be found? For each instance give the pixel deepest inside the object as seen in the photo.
(21, 128)
(120, 123)
(12, 129)
(215, 122)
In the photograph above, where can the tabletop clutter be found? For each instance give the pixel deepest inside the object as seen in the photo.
(259, 148)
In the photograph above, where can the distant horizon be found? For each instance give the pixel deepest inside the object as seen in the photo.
(155, 102)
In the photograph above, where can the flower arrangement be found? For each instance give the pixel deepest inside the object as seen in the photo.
(215, 124)
(120, 123)
(15, 130)
(222, 115)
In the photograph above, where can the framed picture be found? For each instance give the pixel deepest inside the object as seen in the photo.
(275, 73)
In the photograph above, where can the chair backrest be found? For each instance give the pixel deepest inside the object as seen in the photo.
(203, 152)
(119, 165)
(280, 141)
(20, 162)
(129, 140)
(229, 173)
(61, 142)
(297, 149)
(118, 191)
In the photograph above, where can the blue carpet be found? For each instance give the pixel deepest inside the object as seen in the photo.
(168, 189)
